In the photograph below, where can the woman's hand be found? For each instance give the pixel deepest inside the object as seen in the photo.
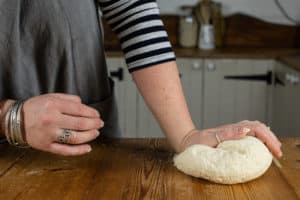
(232, 132)
(47, 116)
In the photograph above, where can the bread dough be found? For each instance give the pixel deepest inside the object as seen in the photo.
(233, 161)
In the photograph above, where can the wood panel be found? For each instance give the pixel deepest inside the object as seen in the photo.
(240, 31)
(245, 31)
(133, 169)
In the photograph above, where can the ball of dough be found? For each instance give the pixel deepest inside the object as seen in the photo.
(233, 161)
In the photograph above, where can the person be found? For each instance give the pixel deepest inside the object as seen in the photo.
(55, 92)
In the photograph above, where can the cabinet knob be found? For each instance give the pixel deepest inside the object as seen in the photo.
(196, 66)
(211, 67)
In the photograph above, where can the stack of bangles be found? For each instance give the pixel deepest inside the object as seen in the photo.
(13, 125)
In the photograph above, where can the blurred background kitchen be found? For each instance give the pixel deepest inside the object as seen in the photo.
(237, 60)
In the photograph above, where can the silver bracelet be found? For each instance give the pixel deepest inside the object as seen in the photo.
(6, 125)
(13, 125)
(18, 124)
(13, 115)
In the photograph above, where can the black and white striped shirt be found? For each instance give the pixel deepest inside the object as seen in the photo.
(140, 30)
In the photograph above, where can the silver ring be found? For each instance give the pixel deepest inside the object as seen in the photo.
(65, 136)
(218, 138)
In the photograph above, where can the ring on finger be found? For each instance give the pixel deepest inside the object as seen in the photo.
(65, 136)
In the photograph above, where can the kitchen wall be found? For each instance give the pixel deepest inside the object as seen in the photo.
(263, 9)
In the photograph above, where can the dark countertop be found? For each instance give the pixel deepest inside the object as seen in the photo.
(284, 55)
(293, 61)
(133, 169)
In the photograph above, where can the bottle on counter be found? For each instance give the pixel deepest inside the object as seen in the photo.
(188, 29)
(207, 37)
(209, 17)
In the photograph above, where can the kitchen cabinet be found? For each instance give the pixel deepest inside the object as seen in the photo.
(191, 78)
(136, 120)
(191, 71)
(232, 100)
(286, 101)
(214, 95)
(146, 123)
(126, 96)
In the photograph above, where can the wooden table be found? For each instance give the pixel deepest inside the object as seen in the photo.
(133, 169)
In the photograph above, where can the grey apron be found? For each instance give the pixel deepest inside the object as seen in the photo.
(51, 46)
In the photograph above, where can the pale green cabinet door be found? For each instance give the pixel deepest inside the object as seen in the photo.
(228, 100)
(126, 96)
(191, 71)
(286, 102)
(191, 77)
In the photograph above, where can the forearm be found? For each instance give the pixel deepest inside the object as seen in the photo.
(145, 43)
(161, 88)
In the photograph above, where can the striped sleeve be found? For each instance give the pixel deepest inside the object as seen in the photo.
(140, 30)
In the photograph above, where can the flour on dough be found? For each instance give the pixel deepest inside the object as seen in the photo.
(233, 161)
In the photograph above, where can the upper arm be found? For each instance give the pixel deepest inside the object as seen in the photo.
(140, 30)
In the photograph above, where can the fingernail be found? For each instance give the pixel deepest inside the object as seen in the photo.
(102, 124)
(246, 130)
(89, 150)
(98, 114)
(98, 133)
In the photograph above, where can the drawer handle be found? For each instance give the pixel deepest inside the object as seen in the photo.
(268, 78)
(118, 74)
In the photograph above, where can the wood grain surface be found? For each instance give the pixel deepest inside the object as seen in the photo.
(241, 31)
(292, 61)
(133, 169)
(248, 53)
(288, 56)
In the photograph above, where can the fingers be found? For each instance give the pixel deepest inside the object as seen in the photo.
(77, 137)
(68, 150)
(274, 136)
(77, 109)
(254, 128)
(262, 132)
(44, 115)
(79, 123)
(67, 97)
(233, 132)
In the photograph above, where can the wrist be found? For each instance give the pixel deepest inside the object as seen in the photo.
(12, 124)
(203, 137)
(186, 140)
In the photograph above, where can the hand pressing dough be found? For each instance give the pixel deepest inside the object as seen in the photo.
(233, 161)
